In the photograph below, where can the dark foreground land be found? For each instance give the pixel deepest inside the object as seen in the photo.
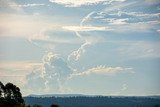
(93, 101)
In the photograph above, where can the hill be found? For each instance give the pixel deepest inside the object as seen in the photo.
(78, 100)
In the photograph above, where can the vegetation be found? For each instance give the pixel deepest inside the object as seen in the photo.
(95, 101)
(10, 96)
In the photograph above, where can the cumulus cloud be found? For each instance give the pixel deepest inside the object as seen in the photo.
(35, 80)
(54, 72)
(55, 65)
(52, 75)
(77, 3)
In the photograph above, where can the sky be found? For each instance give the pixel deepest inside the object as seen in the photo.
(92, 47)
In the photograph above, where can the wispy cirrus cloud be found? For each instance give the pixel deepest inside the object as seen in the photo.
(22, 25)
(21, 67)
(123, 21)
(124, 87)
(104, 70)
(140, 49)
(120, 18)
(84, 28)
(114, 18)
(27, 5)
(77, 3)
(9, 6)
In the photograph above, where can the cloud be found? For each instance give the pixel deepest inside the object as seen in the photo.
(77, 3)
(114, 18)
(35, 81)
(52, 37)
(122, 21)
(140, 50)
(120, 18)
(87, 41)
(84, 28)
(124, 87)
(19, 68)
(53, 64)
(51, 76)
(20, 25)
(151, 2)
(8, 6)
(75, 55)
(16, 72)
(54, 72)
(27, 5)
(158, 30)
(103, 70)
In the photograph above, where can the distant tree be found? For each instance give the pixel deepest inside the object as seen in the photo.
(1, 89)
(54, 105)
(157, 105)
(10, 96)
(36, 105)
(28, 106)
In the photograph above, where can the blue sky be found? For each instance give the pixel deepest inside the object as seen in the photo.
(104, 47)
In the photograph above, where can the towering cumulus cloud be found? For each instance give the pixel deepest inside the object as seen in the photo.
(53, 72)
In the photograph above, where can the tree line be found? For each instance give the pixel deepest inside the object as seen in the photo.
(10, 96)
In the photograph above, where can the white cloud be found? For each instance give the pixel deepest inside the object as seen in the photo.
(75, 55)
(54, 72)
(124, 87)
(22, 25)
(51, 75)
(114, 21)
(119, 17)
(158, 30)
(151, 2)
(8, 5)
(122, 21)
(84, 28)
(20, 68)
(77, 3)
(140, 50)
(54, 35)
(103, 70)
(27, 5)
(16, 72)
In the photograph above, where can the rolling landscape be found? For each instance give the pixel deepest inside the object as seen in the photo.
(74, 100)
(79, 53)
